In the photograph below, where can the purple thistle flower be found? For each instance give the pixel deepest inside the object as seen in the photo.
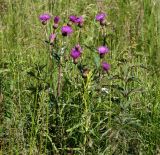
(66, 30)
(79, 21)
(105, 66)
(56, 19)
(102, 50)
(100, 17)
(52, 37)
(76, 53)
(44, 18)
(72, 18)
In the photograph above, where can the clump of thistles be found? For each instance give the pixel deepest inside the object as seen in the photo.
(76, 20)
(101, 17)
(66, 30)
(102, 50)
(44, 18)
(76, 53)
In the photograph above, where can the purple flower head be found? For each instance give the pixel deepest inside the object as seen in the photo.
(52, 37)
(103, 50)
(72, 18)
(105, 66)
(79, 20)
(56, 19)
(44, 17)
(66, 30)
(76, 52)
(100, 17)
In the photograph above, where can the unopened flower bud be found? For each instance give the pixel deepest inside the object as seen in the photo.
(75, 61)
(56, 19)
(55, 26)
(44, 22)
(102, 55)
(69, 23)
(103, 23)
(52, 38)
(80, 25)
(85, 72)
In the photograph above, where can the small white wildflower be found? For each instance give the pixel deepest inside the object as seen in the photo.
(105, 90)
(62, 50)
(49, 90)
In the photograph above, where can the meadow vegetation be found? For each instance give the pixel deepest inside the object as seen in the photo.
(61, 95)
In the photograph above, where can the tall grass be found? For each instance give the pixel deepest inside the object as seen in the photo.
(118, 113)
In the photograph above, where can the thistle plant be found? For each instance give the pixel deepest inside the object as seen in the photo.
(86, 73)
(80, 78)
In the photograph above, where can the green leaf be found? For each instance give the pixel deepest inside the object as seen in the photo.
(97, 60)
(74, 127)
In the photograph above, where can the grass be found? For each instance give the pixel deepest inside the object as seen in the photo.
(105, 114)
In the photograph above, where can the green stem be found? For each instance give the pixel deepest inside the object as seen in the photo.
(86, 112)
(59, 78)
